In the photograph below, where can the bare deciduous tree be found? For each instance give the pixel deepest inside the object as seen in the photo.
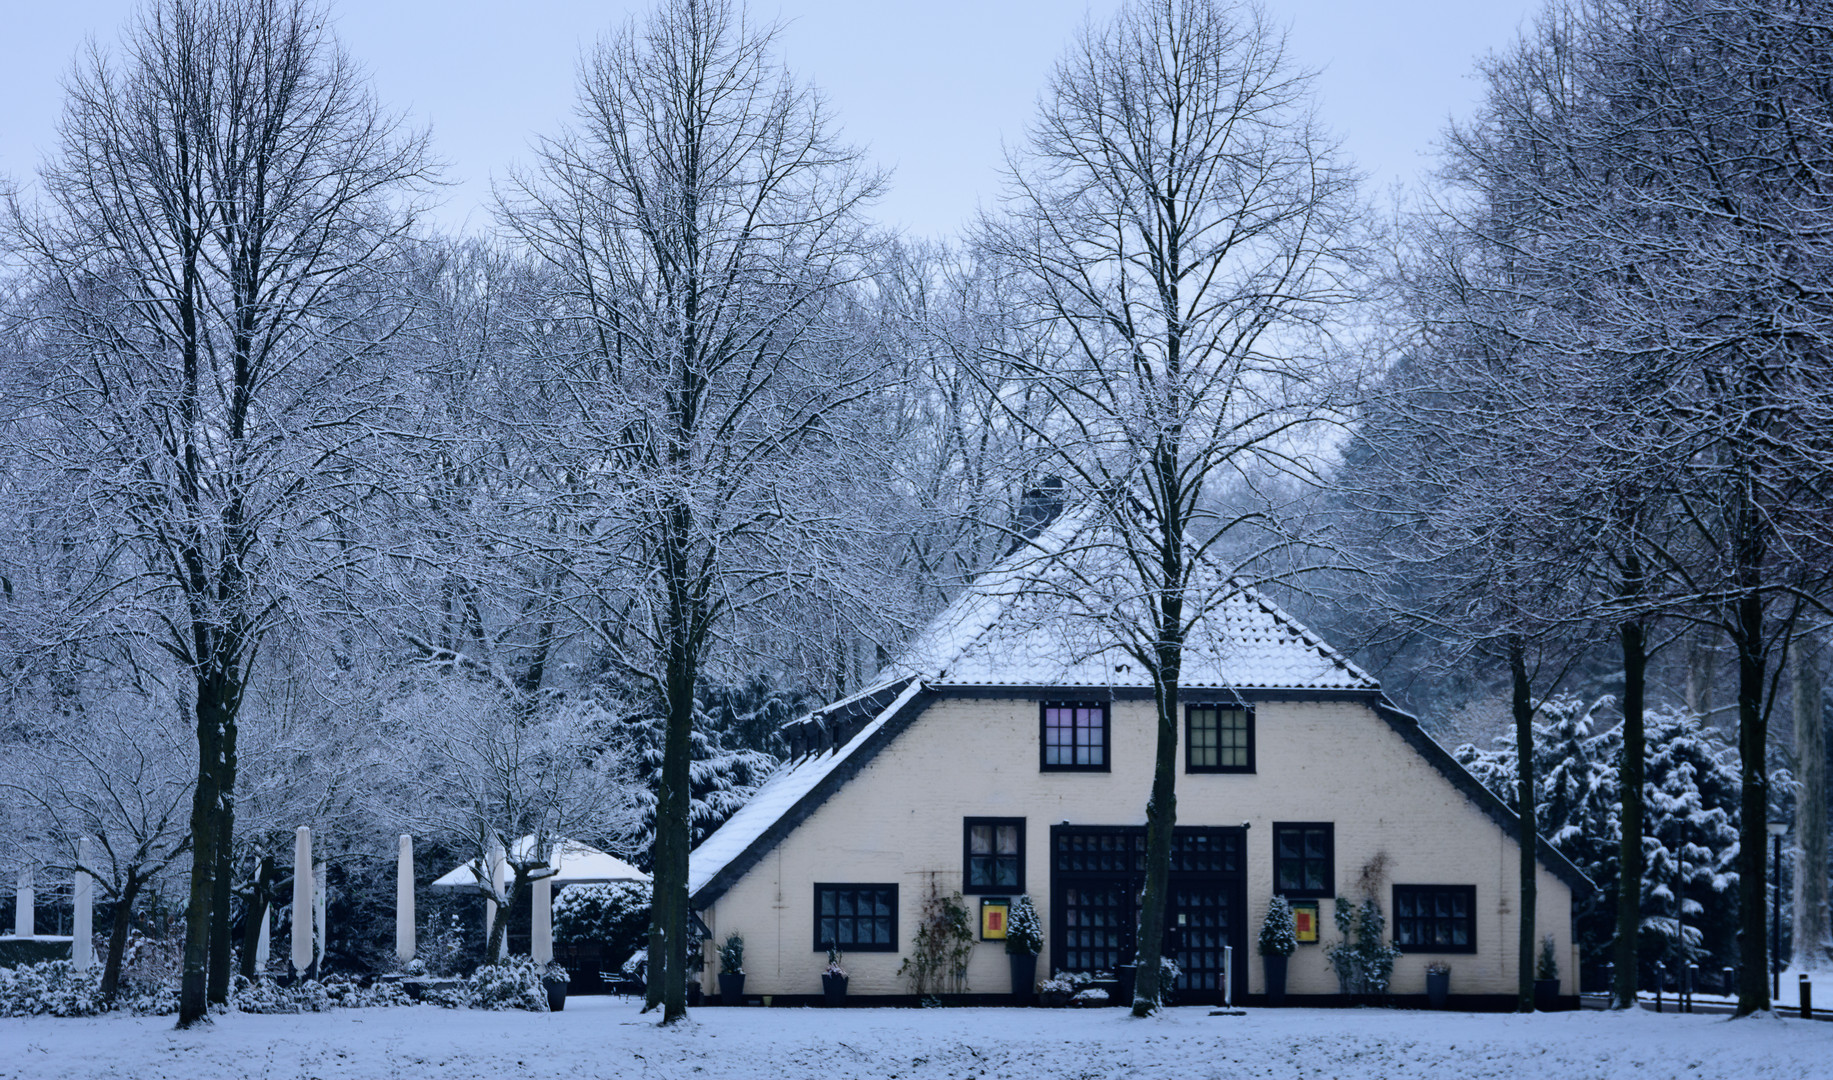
(702, 222)
(221, 200)
(114, 770)
(1178, 226)
(500, 783)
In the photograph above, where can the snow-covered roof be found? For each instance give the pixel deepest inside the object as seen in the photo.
(1045, 616)
(1030, 621)
(575, 864)
(787, 786)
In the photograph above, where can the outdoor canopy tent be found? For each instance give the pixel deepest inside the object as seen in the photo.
(574, 864)
(577, 864)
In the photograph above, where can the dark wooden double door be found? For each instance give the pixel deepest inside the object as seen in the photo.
(1096, 875)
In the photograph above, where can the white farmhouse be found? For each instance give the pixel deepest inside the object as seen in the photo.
(1011, 751)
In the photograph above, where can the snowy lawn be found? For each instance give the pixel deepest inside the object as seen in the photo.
(605, 1037)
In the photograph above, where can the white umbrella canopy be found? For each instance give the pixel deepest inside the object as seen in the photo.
(576, 864)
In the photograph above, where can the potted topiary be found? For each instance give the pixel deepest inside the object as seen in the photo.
(1024, 940)
(833, 978)
(1278, 941)
(1546, 977)
(554, 979)
(732, 970)
(1438, 983)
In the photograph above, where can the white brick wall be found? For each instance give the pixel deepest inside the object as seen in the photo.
(900, 820)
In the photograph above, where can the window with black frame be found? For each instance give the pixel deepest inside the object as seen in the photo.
(856, 918)
(1303, 858)
(1218, 739)
(1074, 736)
(993, 855)
(1435, 918)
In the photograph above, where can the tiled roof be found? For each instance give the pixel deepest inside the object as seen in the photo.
(1030, 622)
(1047, 615)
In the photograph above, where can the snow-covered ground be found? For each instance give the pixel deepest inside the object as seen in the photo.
(605, 1037)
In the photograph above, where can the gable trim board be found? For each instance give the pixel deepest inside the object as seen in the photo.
(914, 698)
(852, 756)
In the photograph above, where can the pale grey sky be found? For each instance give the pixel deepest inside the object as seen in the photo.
(928, 87)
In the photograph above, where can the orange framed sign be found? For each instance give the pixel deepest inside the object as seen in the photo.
(1304, 921)
(994, 911)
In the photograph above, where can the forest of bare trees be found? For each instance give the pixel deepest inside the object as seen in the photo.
(313, 514)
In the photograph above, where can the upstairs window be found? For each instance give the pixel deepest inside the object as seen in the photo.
(1218, 739)
(1075, 736)
(1303, 859)
(994, 855)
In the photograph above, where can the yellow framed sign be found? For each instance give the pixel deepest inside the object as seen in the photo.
(994, 911)
(1304, 921)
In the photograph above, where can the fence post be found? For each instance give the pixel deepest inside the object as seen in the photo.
(1806, 990)
(1659, 972)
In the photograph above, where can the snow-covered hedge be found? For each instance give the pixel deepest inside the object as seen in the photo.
(513, 984)
(615, 916)
(54, 988)
(1279, 932)
(1024, 930)
(268, 996)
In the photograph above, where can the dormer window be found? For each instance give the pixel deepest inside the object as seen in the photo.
(1074, 736)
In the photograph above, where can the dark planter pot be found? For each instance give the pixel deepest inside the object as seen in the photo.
(1126, 976)
(1546, 995)
(731, 988)
(556, 993)
(1276, 978)
(1438, 988)
(833, 989)
(1024, 975)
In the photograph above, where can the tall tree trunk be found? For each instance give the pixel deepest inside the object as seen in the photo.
(193, 1003)
(260, 896)
(1528, 837)
(117, 937)
(505, 911)
(1626, 956)
(668, 916)
(659, 898)
(1813, 937)
(1702, 665)
(1753, 835)
(1167, 608)
(222, 950)
(674, 805)
(1161, 824)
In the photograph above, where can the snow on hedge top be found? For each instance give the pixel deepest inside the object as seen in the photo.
(1050, 613)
